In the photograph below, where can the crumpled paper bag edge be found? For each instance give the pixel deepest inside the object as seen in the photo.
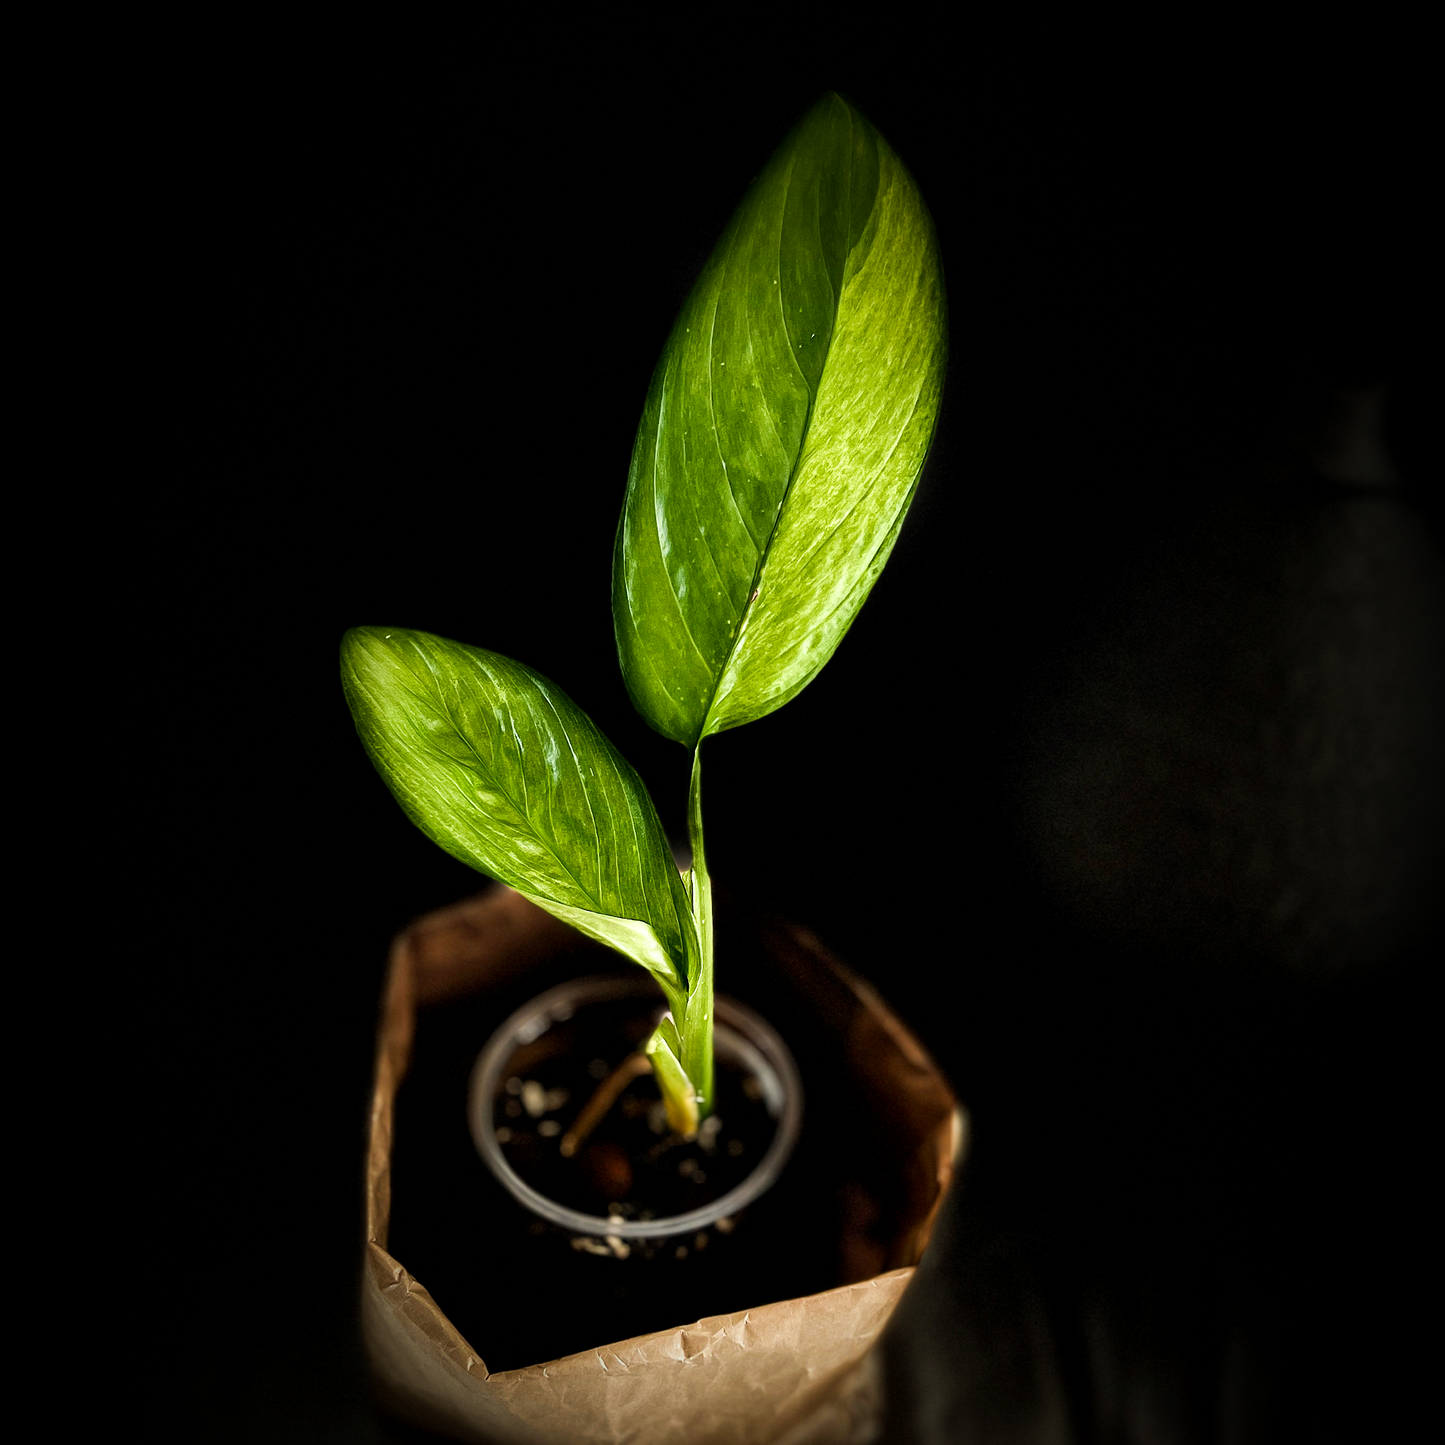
(616, 1392)
(793, 1352)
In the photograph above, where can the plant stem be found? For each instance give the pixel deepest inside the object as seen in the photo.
(697, 1025)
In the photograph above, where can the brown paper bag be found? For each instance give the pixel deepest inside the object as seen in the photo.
(797, 1371)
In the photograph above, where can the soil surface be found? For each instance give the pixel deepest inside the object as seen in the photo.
(631, 1166)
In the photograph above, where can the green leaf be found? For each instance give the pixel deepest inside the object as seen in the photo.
(667, 1032)
(502, 769)
(783, 435)
(678, 1095)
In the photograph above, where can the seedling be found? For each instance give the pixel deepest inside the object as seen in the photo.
(781, 443)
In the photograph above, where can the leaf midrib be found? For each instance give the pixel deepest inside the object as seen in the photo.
(754, 587)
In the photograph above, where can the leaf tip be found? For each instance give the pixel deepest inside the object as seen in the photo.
(358, 640)
(355, 638)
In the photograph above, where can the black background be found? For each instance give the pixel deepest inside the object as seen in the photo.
(420, 308)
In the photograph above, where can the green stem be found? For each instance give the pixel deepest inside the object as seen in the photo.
(697, 1023)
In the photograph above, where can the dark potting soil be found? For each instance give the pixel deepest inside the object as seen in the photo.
(522, 1291)
(631, 1166)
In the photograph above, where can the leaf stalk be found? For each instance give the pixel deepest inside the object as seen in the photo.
(697, 1058)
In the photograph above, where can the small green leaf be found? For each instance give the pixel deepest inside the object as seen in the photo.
(667, 1032)
(783, 434)
(504, 771)
(678, 1096)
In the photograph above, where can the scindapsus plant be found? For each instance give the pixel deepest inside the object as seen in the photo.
(781, 443)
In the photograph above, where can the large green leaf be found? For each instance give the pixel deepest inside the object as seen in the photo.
(504, 771)
(783, 434)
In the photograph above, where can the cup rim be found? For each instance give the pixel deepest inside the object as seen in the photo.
(735, 1028)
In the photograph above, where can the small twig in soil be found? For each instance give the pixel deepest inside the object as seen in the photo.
(595, 1110)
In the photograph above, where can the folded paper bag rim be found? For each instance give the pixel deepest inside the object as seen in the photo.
(798, 1369)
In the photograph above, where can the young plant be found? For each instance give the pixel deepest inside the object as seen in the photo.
(781, 442)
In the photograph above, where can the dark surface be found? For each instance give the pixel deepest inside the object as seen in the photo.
(1121, 788)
